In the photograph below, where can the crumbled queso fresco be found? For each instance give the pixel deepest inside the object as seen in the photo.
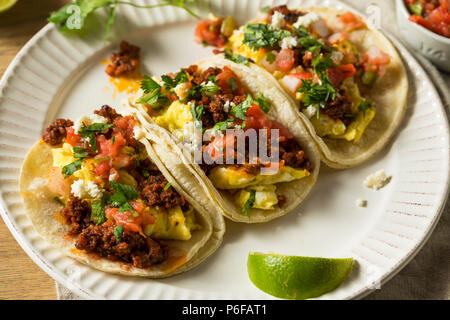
(278, 20)
(307, 20)
(288, 43)
(377, 180)
(86, 189)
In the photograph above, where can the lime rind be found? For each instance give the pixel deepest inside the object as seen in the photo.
(296, 277)
(6, 4)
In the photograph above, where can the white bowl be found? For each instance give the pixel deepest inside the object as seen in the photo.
(431, 45)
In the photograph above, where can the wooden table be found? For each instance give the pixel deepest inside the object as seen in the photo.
(20, 277)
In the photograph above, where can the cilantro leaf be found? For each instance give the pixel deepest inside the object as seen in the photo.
(125, 207)
(71, 168)
(170, 83)
(118, 232)
(98, 212)
(222, 126)
(240, 111)
(128, 190)
(197, 112)
(316, 94)
(152, 93)
(235, 57)
(122, 193)
(250, 202)
(263, 103)
(80, 153)
(260, 35)
(73, 16)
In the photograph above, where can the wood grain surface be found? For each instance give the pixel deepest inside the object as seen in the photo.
(20, 277)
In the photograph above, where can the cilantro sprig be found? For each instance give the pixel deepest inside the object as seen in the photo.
(260, 35)
(236, 57)
(73, 16)
(153, 94)
(170, 83)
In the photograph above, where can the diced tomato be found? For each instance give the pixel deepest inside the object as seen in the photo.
(102, 169)
(257, 119)
(225, 82)
(351, 21)
(285, 60)
(217, 149)
(339, 74)
(72, 138)
(377, 57)
(308, 56)
(126, 124)
(126, 219)
(208, 31)
(111, 147)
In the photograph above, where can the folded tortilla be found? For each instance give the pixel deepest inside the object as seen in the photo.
(43, 210)
(389, 96)
(167, 147)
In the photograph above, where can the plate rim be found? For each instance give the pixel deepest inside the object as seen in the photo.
(79, 290)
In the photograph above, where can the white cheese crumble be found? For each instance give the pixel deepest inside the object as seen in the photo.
(310, 111)
(278, 20)
(182, 90)
(86, 189)
(288, 43)
(94, 118)
(377, 180)
(361, 203)
(228, 105)
(337, 56)
(306, 20)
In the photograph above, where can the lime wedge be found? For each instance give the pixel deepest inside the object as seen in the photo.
(6, 4)
(294, 277)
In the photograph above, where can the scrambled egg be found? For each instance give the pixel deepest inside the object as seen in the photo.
(265, 197)
(172, 224)
(336, 129)
(175, 117)
(356, 129)
(64, 156)
(236, 45)
(227, 178)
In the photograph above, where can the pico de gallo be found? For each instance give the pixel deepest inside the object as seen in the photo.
(431, 14)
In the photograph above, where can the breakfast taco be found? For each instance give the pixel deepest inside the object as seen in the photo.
(238, 136)
(345, 80)
(96, 189)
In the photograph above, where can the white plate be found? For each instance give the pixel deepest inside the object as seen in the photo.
(57, 76)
